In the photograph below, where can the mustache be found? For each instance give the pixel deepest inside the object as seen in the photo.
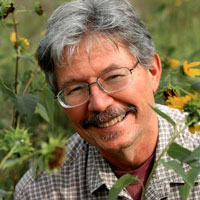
(109, 113)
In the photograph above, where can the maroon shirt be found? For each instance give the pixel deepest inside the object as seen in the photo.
(135, 189)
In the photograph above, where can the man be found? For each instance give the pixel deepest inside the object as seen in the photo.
(102, 65)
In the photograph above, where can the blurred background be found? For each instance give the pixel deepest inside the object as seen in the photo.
(175, 28)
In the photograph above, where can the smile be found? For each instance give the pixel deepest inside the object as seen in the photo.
(112, 122)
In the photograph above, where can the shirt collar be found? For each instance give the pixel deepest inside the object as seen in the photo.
(99, 173)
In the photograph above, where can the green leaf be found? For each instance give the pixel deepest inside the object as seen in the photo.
(163, 115)
(177, 167)
(26, 105)
(121, 183)
(187, 187)
(196, 85)
(43, 112)
(184, 155)
(193, 155)
(178, 152)
(49, 105)
(17, 161)
(7, 92)
(4, 193)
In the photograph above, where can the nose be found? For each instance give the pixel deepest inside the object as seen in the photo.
(99, 99)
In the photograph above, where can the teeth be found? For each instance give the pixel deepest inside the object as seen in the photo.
(112, 122)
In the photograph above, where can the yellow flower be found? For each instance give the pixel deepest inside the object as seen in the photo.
(189, 69)
(24, 41)
(179, 102)
(194, 128)
(173, 63)
(13, 38)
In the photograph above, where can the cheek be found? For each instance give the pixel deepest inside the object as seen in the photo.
(76, 115)
(136, 94)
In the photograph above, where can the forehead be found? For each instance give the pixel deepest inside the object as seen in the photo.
(92, 46)
(90, 60)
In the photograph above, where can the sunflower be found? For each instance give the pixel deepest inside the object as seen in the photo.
(194, 128)
(190, 104)
(190, 70)
(180, 102)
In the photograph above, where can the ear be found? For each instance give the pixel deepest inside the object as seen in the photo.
(155, 72)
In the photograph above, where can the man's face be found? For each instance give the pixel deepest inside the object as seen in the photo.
(128, 127)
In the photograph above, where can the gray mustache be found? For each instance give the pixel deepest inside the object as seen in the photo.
(109, 113)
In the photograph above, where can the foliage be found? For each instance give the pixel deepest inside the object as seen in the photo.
(120, 184)
(28, 108)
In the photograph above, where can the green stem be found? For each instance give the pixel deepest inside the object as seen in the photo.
(15, 112)
(186, 92)
(19, 160)
(8, 155)
(17, 51)
(30, 80)
(176, 134)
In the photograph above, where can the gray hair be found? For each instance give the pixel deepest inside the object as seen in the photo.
(73, 22)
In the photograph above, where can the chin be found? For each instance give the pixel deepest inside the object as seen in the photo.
(116, 144)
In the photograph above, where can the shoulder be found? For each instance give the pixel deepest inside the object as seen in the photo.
(186, 139)
(175, 114)
(29, 186)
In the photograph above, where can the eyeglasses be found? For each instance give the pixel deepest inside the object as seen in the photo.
(110, 82)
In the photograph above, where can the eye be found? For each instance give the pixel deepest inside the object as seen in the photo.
(114, 77)
(74, 90)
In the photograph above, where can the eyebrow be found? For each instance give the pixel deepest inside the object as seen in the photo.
(72, 81)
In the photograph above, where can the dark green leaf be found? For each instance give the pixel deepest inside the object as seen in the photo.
(49, 104)
(43, 112)
(193, 155)
(26, 105)
(177, 167)
(7, 92)
(163, 115)
(196, 85)
(178, 152)
(187, 187)
(121, 183)
(192, 174)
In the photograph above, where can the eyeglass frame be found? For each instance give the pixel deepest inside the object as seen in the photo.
(89, 84)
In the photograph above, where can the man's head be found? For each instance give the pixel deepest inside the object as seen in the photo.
(86, 20)
(101, 58)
